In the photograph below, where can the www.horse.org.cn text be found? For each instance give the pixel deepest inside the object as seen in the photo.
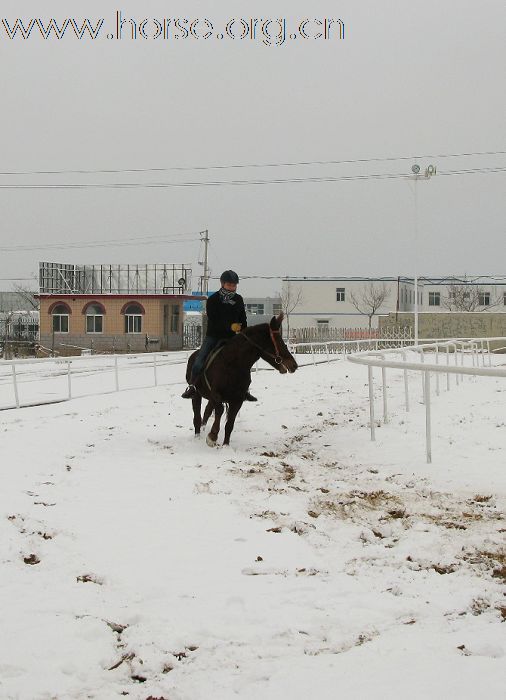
(266, 31)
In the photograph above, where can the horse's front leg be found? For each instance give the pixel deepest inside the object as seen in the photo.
(215, 429)
(233, 410)
(197, 422)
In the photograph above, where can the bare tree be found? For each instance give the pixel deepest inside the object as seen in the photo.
(465, 296)
(291, 297)
(28, 296)
(370, 299)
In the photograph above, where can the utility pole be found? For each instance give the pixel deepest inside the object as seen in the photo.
(204, 280)
(417, 175)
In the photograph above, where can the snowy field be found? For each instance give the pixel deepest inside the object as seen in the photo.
(302, 561)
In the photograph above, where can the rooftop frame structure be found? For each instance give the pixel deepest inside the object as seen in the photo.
(138, 279)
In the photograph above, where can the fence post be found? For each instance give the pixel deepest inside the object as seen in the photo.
(15, 384)
(406, 387)
(448, 363)
(312, 353)
(428, 441)
(154, 369)
(489, 354)
(422, 359)
(482, 353)
(327, 351)
(69, 381)
(384, 382)
(116, 376)
(371, 404)
(437, 373)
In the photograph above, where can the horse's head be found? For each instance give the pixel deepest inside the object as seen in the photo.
(284, 361)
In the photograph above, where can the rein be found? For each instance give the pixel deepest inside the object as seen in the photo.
(277, 357)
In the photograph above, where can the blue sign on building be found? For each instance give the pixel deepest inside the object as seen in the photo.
(198, 304)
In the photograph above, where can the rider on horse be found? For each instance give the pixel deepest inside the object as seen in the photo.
(226, 316)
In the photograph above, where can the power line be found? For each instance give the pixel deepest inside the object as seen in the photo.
(223, 183)
(251, 165)
(118, 243)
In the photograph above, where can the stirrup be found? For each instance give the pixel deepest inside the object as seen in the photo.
(190, 392)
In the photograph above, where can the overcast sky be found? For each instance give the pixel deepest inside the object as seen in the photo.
(423, 77)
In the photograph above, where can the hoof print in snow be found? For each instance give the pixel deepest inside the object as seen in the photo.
(313, 514)
(274, 529)
(116, 627)
(301, 528)
(442, 569)
(397, 513)
(167, 668)
(192, 648)
(180, 655)
(259, 558)
(31, 559)
(89, 578)
(139, 679)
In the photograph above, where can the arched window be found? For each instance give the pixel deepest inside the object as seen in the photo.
(133, 318)
(60, 314)
(94, 318)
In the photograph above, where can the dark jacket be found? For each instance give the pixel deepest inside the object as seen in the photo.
(221, 316)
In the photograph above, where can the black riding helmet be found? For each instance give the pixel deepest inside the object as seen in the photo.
(230, 276)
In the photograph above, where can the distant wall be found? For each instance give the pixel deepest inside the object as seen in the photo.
(452, 324)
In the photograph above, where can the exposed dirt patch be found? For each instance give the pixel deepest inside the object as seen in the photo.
(90, 578)
(31, 559)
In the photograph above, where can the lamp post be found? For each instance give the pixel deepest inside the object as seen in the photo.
(429, 171)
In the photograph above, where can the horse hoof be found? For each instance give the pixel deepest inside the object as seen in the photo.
(210, 441)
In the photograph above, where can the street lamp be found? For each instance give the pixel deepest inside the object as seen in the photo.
(429, 171)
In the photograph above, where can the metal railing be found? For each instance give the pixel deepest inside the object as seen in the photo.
(458, 348)
(22, 371)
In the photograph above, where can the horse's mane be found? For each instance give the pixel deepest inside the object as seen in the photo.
(251, 330)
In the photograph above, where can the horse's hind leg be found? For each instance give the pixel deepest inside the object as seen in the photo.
(233, 410)
(215, 429)
(207, 413)
(197, 405)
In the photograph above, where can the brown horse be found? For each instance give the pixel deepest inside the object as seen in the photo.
(227, 378)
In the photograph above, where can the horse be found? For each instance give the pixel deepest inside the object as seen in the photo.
(227, 375)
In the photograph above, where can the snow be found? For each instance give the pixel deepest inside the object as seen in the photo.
(302, 560)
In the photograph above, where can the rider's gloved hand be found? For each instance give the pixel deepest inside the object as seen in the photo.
(236, 327)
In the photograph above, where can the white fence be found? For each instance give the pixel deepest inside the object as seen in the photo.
(50, 380)
(454, 353)
(29, 382)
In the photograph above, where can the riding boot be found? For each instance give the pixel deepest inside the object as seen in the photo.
(250, 397)
(190, 392)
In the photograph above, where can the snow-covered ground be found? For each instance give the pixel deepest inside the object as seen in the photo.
(301, 561)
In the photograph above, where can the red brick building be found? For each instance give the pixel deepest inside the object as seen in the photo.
(112, 308)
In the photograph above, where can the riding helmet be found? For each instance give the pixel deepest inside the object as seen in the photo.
(230, 276)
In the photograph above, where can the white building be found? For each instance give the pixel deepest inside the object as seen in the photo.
(348, 302)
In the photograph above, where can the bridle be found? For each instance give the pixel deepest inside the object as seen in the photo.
(277, 357)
